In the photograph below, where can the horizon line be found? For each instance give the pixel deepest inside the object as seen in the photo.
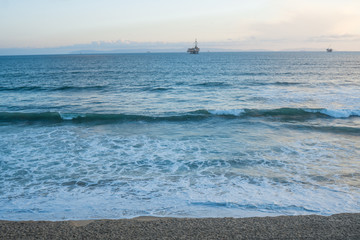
(94, 52)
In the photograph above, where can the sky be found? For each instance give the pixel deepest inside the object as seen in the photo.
(63, 26)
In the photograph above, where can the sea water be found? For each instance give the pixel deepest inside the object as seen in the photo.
(177, 135)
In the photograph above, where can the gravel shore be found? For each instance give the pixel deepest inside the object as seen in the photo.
(339, 226)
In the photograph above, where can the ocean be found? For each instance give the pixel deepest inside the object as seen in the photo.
(177, 135)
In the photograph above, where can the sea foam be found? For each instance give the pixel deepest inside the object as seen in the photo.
(233, 112)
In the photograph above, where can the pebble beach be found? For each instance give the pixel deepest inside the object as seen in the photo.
(339, 226)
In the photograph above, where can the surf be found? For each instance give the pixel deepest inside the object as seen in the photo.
(197, 115)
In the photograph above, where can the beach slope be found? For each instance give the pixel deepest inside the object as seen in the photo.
(339, 226)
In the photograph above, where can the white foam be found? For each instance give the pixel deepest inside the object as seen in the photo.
(233, 112)
(80, 172)
(71, 116)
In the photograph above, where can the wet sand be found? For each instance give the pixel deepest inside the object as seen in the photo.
(339, 226)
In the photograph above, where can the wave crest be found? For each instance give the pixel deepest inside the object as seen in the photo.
(337, 113)
(285, 113)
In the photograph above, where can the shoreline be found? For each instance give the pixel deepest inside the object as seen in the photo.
(338, 226)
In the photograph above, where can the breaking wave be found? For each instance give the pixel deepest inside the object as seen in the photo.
(291, 113)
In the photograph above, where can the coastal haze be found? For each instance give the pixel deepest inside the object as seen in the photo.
(58, 27)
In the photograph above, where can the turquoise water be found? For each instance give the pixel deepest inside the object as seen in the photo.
(208, 135)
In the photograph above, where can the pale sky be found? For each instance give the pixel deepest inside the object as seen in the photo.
(217, 24)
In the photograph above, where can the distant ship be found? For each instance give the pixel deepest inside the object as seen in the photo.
(194, 50)
(329, 50)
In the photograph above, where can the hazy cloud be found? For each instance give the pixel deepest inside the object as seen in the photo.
(65, 26)
(334, 37)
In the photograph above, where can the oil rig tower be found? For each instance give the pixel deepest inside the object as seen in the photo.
(194, 50)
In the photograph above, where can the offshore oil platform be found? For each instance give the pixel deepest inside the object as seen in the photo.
(329, 49)
(194, 50)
